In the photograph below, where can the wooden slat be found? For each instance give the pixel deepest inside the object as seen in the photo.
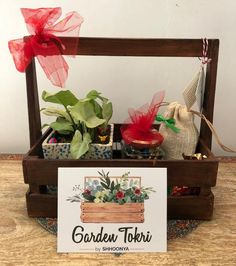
(190, 207)
(115, 217)
(136, 47)
(33, 103)
(34, 188)
(101, 46)
(188, 173)
(209, 95)
(109, 207)
(183, 207)
(205, 191)
(41, 205)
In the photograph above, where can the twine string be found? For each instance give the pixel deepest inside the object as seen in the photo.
(211, 127)
(204, 59)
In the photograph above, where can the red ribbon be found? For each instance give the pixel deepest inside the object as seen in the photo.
(138, 129)
(43, 42)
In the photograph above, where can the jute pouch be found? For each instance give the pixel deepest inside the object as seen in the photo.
(185, 141)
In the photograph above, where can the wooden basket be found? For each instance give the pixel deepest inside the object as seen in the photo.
(39, 172)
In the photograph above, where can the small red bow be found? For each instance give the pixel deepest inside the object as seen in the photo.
(43, 42)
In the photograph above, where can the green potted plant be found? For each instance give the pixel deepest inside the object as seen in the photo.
(81, 129)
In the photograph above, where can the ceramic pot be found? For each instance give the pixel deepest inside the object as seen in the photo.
(62, 150)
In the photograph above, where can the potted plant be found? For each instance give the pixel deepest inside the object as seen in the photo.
(81, 129)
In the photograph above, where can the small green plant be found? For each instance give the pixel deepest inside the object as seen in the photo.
(79, 118)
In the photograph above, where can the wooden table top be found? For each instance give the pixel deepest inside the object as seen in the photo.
(24, 242)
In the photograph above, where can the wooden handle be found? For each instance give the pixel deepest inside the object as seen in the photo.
(132, 47)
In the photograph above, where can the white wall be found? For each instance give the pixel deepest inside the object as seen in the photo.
(128, 82)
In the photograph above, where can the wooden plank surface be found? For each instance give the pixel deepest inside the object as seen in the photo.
(24, 242)
(90, 207)
(191, 207)
(41, 205)
(187, 173)
(136, 47)
(112, 217)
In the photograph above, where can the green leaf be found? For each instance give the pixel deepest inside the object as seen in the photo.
(63, 97)
(146, 196)
(107, 111)
(128, 199)
(117, 186)
(97, 109)
(112, 185)
(93, 95)
(62, 126)
(84, 112)
(110, 197)
(131, 183)
(51, 111)
(104, 185)
(88, 197)
(108, 181)
(103, 179)
(120, 201)
(79, 144)
(101, 174)
(129, 191)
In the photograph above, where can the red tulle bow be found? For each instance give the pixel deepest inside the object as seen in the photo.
(138, 129)
(43, 42)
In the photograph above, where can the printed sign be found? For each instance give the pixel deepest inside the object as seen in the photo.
(112, 209)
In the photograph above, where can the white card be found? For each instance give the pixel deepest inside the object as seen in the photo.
(127, 211)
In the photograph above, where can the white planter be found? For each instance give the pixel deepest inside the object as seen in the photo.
(62, 150)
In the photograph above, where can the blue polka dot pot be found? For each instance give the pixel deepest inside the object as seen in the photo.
(62, 150)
